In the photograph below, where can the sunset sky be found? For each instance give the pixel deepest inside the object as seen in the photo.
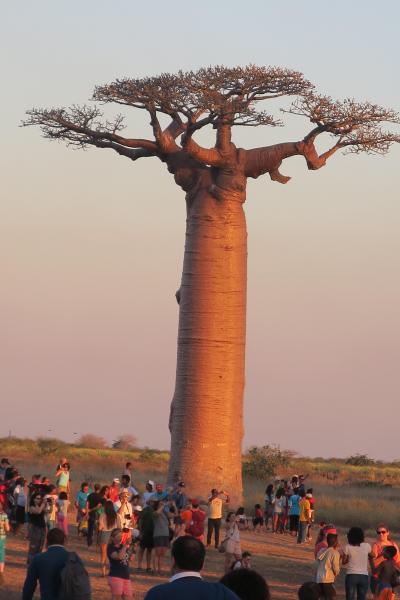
(91, 245)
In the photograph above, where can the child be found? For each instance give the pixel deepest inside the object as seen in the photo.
(242, 563)
(4, 529)
(258, 519)
(387, 573)
(328, 567)
(241, 518)
(62, 512)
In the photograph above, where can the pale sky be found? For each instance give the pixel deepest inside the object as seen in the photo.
(91, 244)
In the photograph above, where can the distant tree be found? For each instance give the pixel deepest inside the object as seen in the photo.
(360, 460)
(263, 462)
(206, 416)
(48, 445)
(126, 441)
(90, 440)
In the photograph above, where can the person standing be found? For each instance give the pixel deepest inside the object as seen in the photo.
(304, 517)
(197, 520)
(233, 551)
(356, 556)
(383, 541)
(62, 505)
(4, 529)
(46, 568)
(146, 531)
(160, 535)
(148, 493)
(20, 504)
(119, 578)
(269, 505)
(107, 522)
(114, 490)
(63, 478)
(294, 513)
(37, 525)
(80, 505)
(94, 503)
(215, 505)
(51, 507)
(328, 567)
(188, 556)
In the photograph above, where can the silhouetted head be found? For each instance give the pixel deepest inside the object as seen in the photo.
(246, 584)
(309, 591)
(188, 554)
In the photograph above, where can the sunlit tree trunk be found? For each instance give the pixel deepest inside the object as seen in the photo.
(206, 413)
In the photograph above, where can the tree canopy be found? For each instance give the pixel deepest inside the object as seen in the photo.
(221, 98)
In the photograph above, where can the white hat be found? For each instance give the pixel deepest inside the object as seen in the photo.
(138, 508)
(151, 482)
(116, 480)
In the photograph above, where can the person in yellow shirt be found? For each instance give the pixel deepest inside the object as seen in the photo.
(215, 505)
(305, 517)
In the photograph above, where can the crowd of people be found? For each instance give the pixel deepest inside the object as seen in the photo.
(132, 530)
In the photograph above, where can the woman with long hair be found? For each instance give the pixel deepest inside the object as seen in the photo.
(37, 524)
(107, 522)
(233, 550)
(383, 541)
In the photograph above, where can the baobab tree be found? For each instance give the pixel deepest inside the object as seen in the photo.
(206, 411)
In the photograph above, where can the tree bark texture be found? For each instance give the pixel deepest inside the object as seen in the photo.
(206, 413)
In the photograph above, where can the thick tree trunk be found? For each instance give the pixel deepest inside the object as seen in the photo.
(206, 419)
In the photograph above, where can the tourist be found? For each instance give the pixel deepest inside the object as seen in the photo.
(119, 554)
(20, 500)
(232, 541)
(215, 504)
(4, 464)
(160, 535)
(146, 530)
(127, 471)
(309, 591)
(258, 518)
(94, 503)
(294, 513)
(46, 568)
(383, 540)
(114, 490)
(269, 505)
(356, 557)
(304, 517)
(37, 525)
(160, 493)
(62, 505)
(124, 511)
(80, 505)
(186, 582)
(50, 515)
(180, 500)
(107, 523)
(63, 477)
(311, 499)
(321, 542)
(196, 525)
(246, 584)
(241, 518)
(328, 567)
(4, 529)
(148, 493)
(387, 573)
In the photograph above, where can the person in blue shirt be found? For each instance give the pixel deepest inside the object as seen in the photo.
(294, 513)
(188, 556)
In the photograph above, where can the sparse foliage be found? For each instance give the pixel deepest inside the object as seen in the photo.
(90, 440)
(48, 445)
(360, 460)
(126, 441)
(263, 462)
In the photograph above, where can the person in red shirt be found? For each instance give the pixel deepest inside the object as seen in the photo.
(114, 490)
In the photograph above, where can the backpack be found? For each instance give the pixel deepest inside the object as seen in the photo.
(75, 582)
(196, 525)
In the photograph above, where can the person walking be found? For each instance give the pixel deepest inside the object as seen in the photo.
(107, 523)
(188, 556)
(357, 554)
(4, 529)
(328, 567)
(215, 504)
(46, 568)
(37, 525)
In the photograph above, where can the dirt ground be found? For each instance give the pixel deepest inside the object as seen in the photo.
(278, 558)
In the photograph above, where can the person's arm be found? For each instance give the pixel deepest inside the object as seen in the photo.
(336, 563)
(30, 582)
(7, 525)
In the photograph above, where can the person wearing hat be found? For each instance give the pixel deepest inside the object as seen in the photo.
(124, 511)
(114, 490)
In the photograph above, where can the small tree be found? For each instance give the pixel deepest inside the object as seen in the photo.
(48, 445)
(126, 441)
(90, 440)
(360, 460)
(263, 462)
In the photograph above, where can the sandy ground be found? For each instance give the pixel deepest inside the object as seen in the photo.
(278, 558)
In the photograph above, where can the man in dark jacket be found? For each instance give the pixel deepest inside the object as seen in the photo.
(46, 568)
(186, 582)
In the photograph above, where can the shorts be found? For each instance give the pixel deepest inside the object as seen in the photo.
(147, 542)
(120, 587)
(20, 515)
(258, 521)
(294, 522)
(104, 537)
(161, 541)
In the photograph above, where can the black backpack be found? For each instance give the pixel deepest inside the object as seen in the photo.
(75, 582)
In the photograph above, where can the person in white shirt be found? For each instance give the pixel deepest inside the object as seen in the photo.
(357, 554)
